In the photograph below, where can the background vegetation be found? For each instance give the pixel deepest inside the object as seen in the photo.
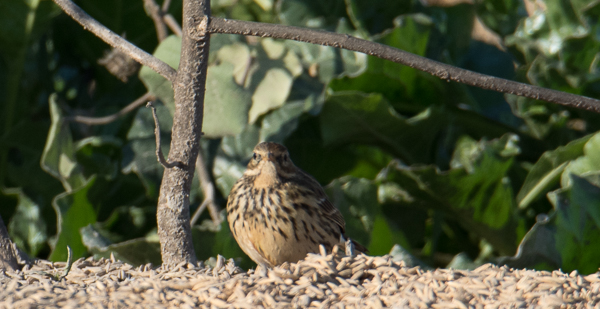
(455, 175)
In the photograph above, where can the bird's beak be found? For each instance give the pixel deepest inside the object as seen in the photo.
(270, 157)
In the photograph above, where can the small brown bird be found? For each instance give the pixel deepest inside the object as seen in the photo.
(278, 213)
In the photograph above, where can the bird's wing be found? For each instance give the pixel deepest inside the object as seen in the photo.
(332, 213)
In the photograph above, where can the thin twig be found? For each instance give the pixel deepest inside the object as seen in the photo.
(155, 13)
(172, 24)
(208, 189)
(159, 154)
(108, 119)
(441, 70)
(115, 40)
(165, 5)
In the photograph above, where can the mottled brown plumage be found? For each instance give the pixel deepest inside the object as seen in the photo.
(278, 213)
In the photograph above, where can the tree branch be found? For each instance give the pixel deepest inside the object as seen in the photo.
(115, 40)
(172, 24)
(173, 213)
(159, 153)
(108, 119)
(208, 189)
(155, 13)
(441, 70)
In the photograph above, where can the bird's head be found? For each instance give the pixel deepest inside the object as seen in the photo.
(270, 163)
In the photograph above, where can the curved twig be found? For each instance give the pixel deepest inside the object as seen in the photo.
(115, 40)
(159, 154)
(441, 70)
(108, 119)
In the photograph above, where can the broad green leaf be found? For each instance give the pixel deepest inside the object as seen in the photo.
(312, 13)
(271, 93)
(577, 231)
(280, 123)
(478, 195)
(73, 211)
(354, 117)
(99, 155)
(586, 195)
(27, 227)
(357, 201)
(169, 52)
(226, 103)
(239, 55)
(587, 163)
(140, 155)
(384, 236)
(136, 252)
(538, 247)
(548, 169)
(58, 158)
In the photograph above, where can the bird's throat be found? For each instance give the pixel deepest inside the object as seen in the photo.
(267, 177)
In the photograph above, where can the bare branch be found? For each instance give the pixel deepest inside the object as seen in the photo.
(108, 119)
(115, 40)
(165, 5)
(173, 213)
(159, 154)
(172, 24)
(208, 188)
(441, 70)
(156, 14)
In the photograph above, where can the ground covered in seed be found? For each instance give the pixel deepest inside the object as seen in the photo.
(319, 281)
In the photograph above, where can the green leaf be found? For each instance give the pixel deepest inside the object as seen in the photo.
(575, 157)
(99, 155)
(354, 117)
(577, 231)
(280, 123)
(168, 51)
(27, 227)
(73, 211)
(271, 93)
(384, 237)
(587, 163)
(538, 247)
(477, 194)
(58, 158)
(357, 201)
(141, 148)
(136, 252)
(226, 103)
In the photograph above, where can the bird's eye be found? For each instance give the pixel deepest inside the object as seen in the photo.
(285, 157)
(256, 156)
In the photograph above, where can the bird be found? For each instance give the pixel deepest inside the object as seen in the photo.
(278, 213)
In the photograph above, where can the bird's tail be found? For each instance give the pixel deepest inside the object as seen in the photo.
(358, 247)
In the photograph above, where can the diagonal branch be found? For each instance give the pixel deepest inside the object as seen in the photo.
(108, 119)
(115, 40)
(441, 70)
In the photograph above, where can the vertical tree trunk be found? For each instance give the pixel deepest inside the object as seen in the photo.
(173, 214)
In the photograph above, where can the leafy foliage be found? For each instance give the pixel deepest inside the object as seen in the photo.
(454, 175)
